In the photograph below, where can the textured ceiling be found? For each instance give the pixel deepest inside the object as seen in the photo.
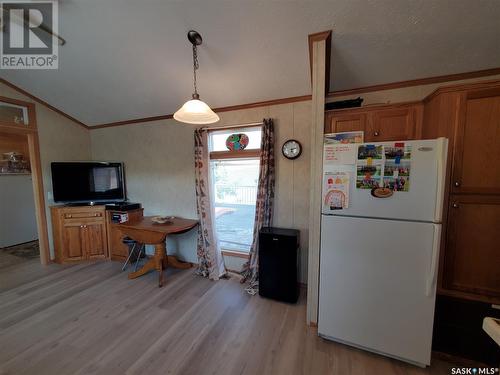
(128, 59)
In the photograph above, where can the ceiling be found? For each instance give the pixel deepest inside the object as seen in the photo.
(127, 59)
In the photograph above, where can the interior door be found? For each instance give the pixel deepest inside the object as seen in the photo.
(477, 152)
(73, 241)
(95, 240)
(391, 125)
(472, 257)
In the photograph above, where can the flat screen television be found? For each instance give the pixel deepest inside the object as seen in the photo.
(86, 182)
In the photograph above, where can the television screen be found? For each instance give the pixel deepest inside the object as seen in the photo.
(82, 182)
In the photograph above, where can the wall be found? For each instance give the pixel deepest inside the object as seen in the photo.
(158, 159)
(17, 210)
(60, 139)
(159, 162)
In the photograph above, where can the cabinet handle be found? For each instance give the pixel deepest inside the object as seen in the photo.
(455, 205)
(376, 134)
(457, 183)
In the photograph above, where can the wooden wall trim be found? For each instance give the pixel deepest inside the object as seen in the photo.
(318, 37)
(463, 86)
(265, 103)
(42, 102)
(416, 82)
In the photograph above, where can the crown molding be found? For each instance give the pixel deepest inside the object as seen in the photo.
(265, 103)
(333, 94)
(415, 82)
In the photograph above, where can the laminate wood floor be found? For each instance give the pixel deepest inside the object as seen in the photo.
(90, 319)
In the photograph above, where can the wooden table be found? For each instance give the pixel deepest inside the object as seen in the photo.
(146, 232)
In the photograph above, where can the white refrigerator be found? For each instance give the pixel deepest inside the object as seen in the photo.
(380, 247)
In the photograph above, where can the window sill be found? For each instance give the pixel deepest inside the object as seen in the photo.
(235, 253)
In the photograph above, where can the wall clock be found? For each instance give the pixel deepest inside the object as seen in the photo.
(291, 149)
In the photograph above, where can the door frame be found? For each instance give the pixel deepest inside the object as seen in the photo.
(31, 132)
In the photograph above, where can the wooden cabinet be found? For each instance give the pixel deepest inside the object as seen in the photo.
(117, 249)
(347, 123)
(392, 124)
(472, 257)
(380, 123)
(477, 151)
(79, 233)
(469, 116)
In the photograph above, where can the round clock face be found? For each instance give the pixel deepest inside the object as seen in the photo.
(291, 149)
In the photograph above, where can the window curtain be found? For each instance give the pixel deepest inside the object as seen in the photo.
(264, 203)
(210, 260)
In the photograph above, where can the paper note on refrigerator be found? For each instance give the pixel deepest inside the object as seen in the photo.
(340, 153)
(336, 190)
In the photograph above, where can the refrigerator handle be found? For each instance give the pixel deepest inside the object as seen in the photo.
(431, 279)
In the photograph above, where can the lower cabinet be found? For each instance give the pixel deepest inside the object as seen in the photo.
(117, 249)
(79, 233)
(472, 257)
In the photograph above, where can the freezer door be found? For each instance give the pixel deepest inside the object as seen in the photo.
(423, 201)
(377, 285)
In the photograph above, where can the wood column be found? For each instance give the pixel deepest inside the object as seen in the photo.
(319, 53)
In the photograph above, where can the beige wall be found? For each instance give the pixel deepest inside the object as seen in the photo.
(60, 139)
(158, 159)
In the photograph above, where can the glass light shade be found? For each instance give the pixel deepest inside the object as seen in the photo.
(195, 111)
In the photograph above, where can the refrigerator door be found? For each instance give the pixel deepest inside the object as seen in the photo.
(377, 285)
(423, 201)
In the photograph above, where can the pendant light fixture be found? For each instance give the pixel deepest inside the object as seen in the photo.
(195, 111)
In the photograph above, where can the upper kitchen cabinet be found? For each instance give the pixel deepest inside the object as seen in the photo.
(380, 123)
(477, 150)
(345, 122)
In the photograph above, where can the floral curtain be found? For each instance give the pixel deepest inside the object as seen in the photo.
(265, 200)
(210, 260)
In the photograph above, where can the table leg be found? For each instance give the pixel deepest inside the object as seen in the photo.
(176, 263)
(155, 263)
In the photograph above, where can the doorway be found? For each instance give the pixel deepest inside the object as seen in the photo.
(23, 233)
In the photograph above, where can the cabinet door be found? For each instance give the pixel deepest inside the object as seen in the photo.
(337, 123)
(118, 250)
(95, 241)
(472, 258)
(394, 124)
(73, 242)
(477, 152)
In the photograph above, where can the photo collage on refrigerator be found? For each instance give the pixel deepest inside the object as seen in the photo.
(387, 166)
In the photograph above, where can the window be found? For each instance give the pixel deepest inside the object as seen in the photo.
(235, 176)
